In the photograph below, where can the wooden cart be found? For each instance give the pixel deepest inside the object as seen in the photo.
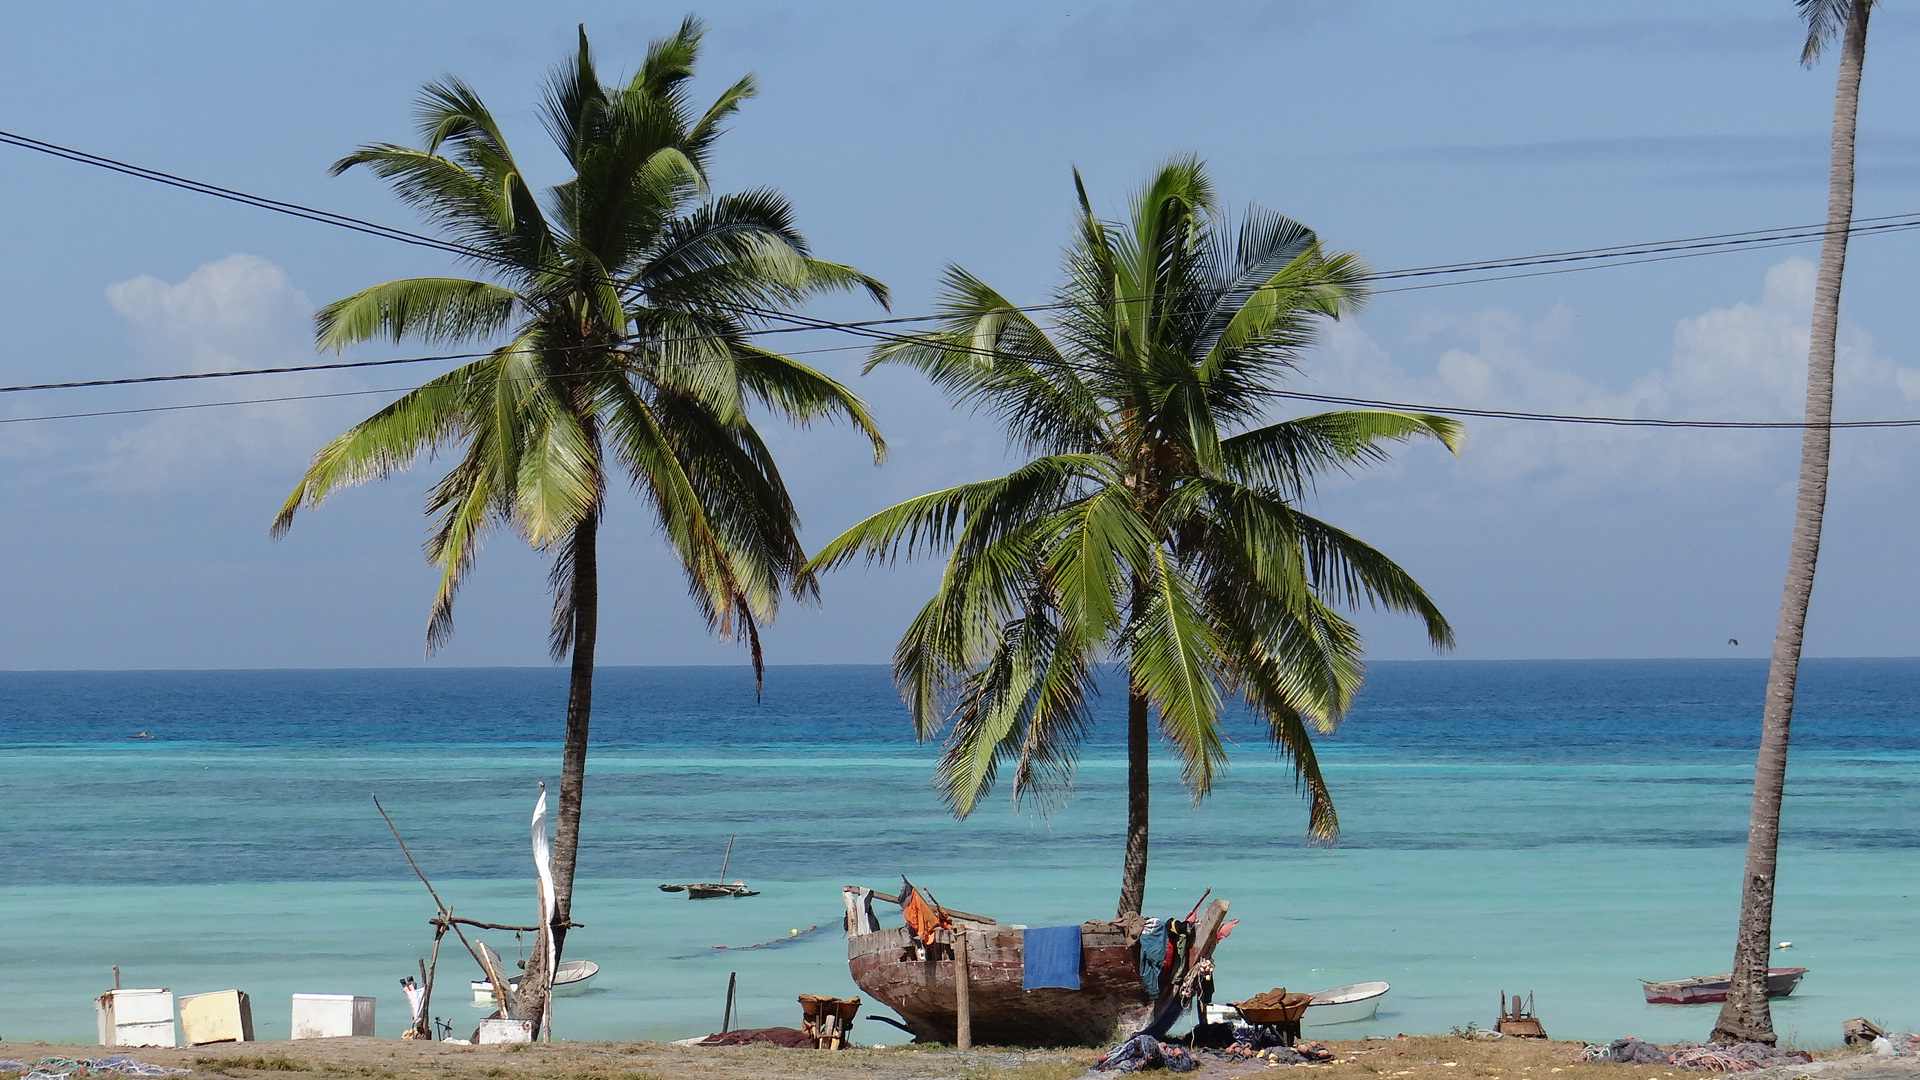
(825, 1020)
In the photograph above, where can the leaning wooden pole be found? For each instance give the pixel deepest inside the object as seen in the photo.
(962, 993)
(1746, 1016)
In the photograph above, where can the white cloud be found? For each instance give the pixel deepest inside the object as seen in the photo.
(238, 312)
(1746, 361)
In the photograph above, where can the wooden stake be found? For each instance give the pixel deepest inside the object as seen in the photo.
(427, 972)
(962, 994)
(726, 1016)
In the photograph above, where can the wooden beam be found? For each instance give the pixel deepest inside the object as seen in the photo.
(955, 912)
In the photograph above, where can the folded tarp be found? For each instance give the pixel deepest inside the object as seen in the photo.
(1052, 957)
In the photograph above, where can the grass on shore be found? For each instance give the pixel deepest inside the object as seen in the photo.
(1429, 1057)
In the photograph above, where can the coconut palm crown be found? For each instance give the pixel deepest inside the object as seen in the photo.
(1157, 524)
(624, 297)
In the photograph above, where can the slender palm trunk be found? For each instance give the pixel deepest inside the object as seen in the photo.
(1133, 874)
(585, 602)
(1746, 1016)
(573, 758)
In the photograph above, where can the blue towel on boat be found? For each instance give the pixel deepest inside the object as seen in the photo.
(1052, 955)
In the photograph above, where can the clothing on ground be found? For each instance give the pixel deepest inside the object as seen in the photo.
(1146, 1052)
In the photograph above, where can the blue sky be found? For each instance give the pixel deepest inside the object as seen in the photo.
(911, 136)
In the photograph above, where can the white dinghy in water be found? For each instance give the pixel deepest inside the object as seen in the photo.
(1345, 1004)
(572, 978)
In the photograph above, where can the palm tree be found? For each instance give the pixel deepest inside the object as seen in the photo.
(1155, 524)
(625, 295)
(1746, 1016)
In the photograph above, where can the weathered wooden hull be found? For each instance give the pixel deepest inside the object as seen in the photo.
(1708, 989)
(1111, 995)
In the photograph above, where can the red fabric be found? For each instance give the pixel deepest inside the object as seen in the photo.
(1225, 929)
(779, 1036)
(922, 918)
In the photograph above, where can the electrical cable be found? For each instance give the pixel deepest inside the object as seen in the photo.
(1593, 258)
(1707, 243)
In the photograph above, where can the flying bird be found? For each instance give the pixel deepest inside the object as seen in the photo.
(1733, 641)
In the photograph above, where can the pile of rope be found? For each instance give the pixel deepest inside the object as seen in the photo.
(1739, 1057)
(59, 1068)
(1696, 1057)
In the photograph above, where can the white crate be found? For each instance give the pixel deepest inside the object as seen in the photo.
(505, 1031)
(331, 1016)
(135, 1018)
(222, 1016)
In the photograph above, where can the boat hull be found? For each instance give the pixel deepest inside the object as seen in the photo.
(1710, 989)
(1345, 1004)
(575, 977)
(1111, 996)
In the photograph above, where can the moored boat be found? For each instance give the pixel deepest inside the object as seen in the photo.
(1345, 1004)
(713, 890)
(1707, 989)
(916, 979)
(571, 978)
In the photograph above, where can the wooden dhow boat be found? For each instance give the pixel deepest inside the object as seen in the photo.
(713, 890)
(915, 978)
(1707, 989)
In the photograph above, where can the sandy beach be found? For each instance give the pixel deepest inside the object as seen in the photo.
(1415, 1058)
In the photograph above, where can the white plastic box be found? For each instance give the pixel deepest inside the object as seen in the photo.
(505, 1031)
(135, 1018)
(222, 1016)
(331, 1016)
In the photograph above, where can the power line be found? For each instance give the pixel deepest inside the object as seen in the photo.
(1591, 258)
(1567, 418)
(204, 405)
(88, 383)
(1298, 395)
(1594, 258)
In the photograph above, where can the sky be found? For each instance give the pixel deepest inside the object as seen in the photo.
(914, 136)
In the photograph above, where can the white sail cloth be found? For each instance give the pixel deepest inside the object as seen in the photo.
(543, 865)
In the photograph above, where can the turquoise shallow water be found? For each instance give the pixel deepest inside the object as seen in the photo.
(1560, 828)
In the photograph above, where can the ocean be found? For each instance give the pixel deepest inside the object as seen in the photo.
(1555, 828)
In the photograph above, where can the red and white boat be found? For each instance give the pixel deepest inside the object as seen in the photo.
(1706, 989)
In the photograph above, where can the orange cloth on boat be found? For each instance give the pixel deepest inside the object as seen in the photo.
(923, 918)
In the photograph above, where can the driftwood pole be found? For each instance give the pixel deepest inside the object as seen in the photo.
(726, 1015)
(427, 971)
(962, 994)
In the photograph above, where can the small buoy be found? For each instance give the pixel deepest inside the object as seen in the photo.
(795, 931)
(1784, 945)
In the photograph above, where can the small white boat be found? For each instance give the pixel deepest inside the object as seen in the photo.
(572, 978)
(1345, 1004)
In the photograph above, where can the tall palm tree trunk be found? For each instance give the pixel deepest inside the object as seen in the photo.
(573, 758)
(1133, 873)
(1746, 1016)
(585, 603)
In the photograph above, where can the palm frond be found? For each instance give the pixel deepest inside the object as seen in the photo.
(1288, 456)
(430, 309)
